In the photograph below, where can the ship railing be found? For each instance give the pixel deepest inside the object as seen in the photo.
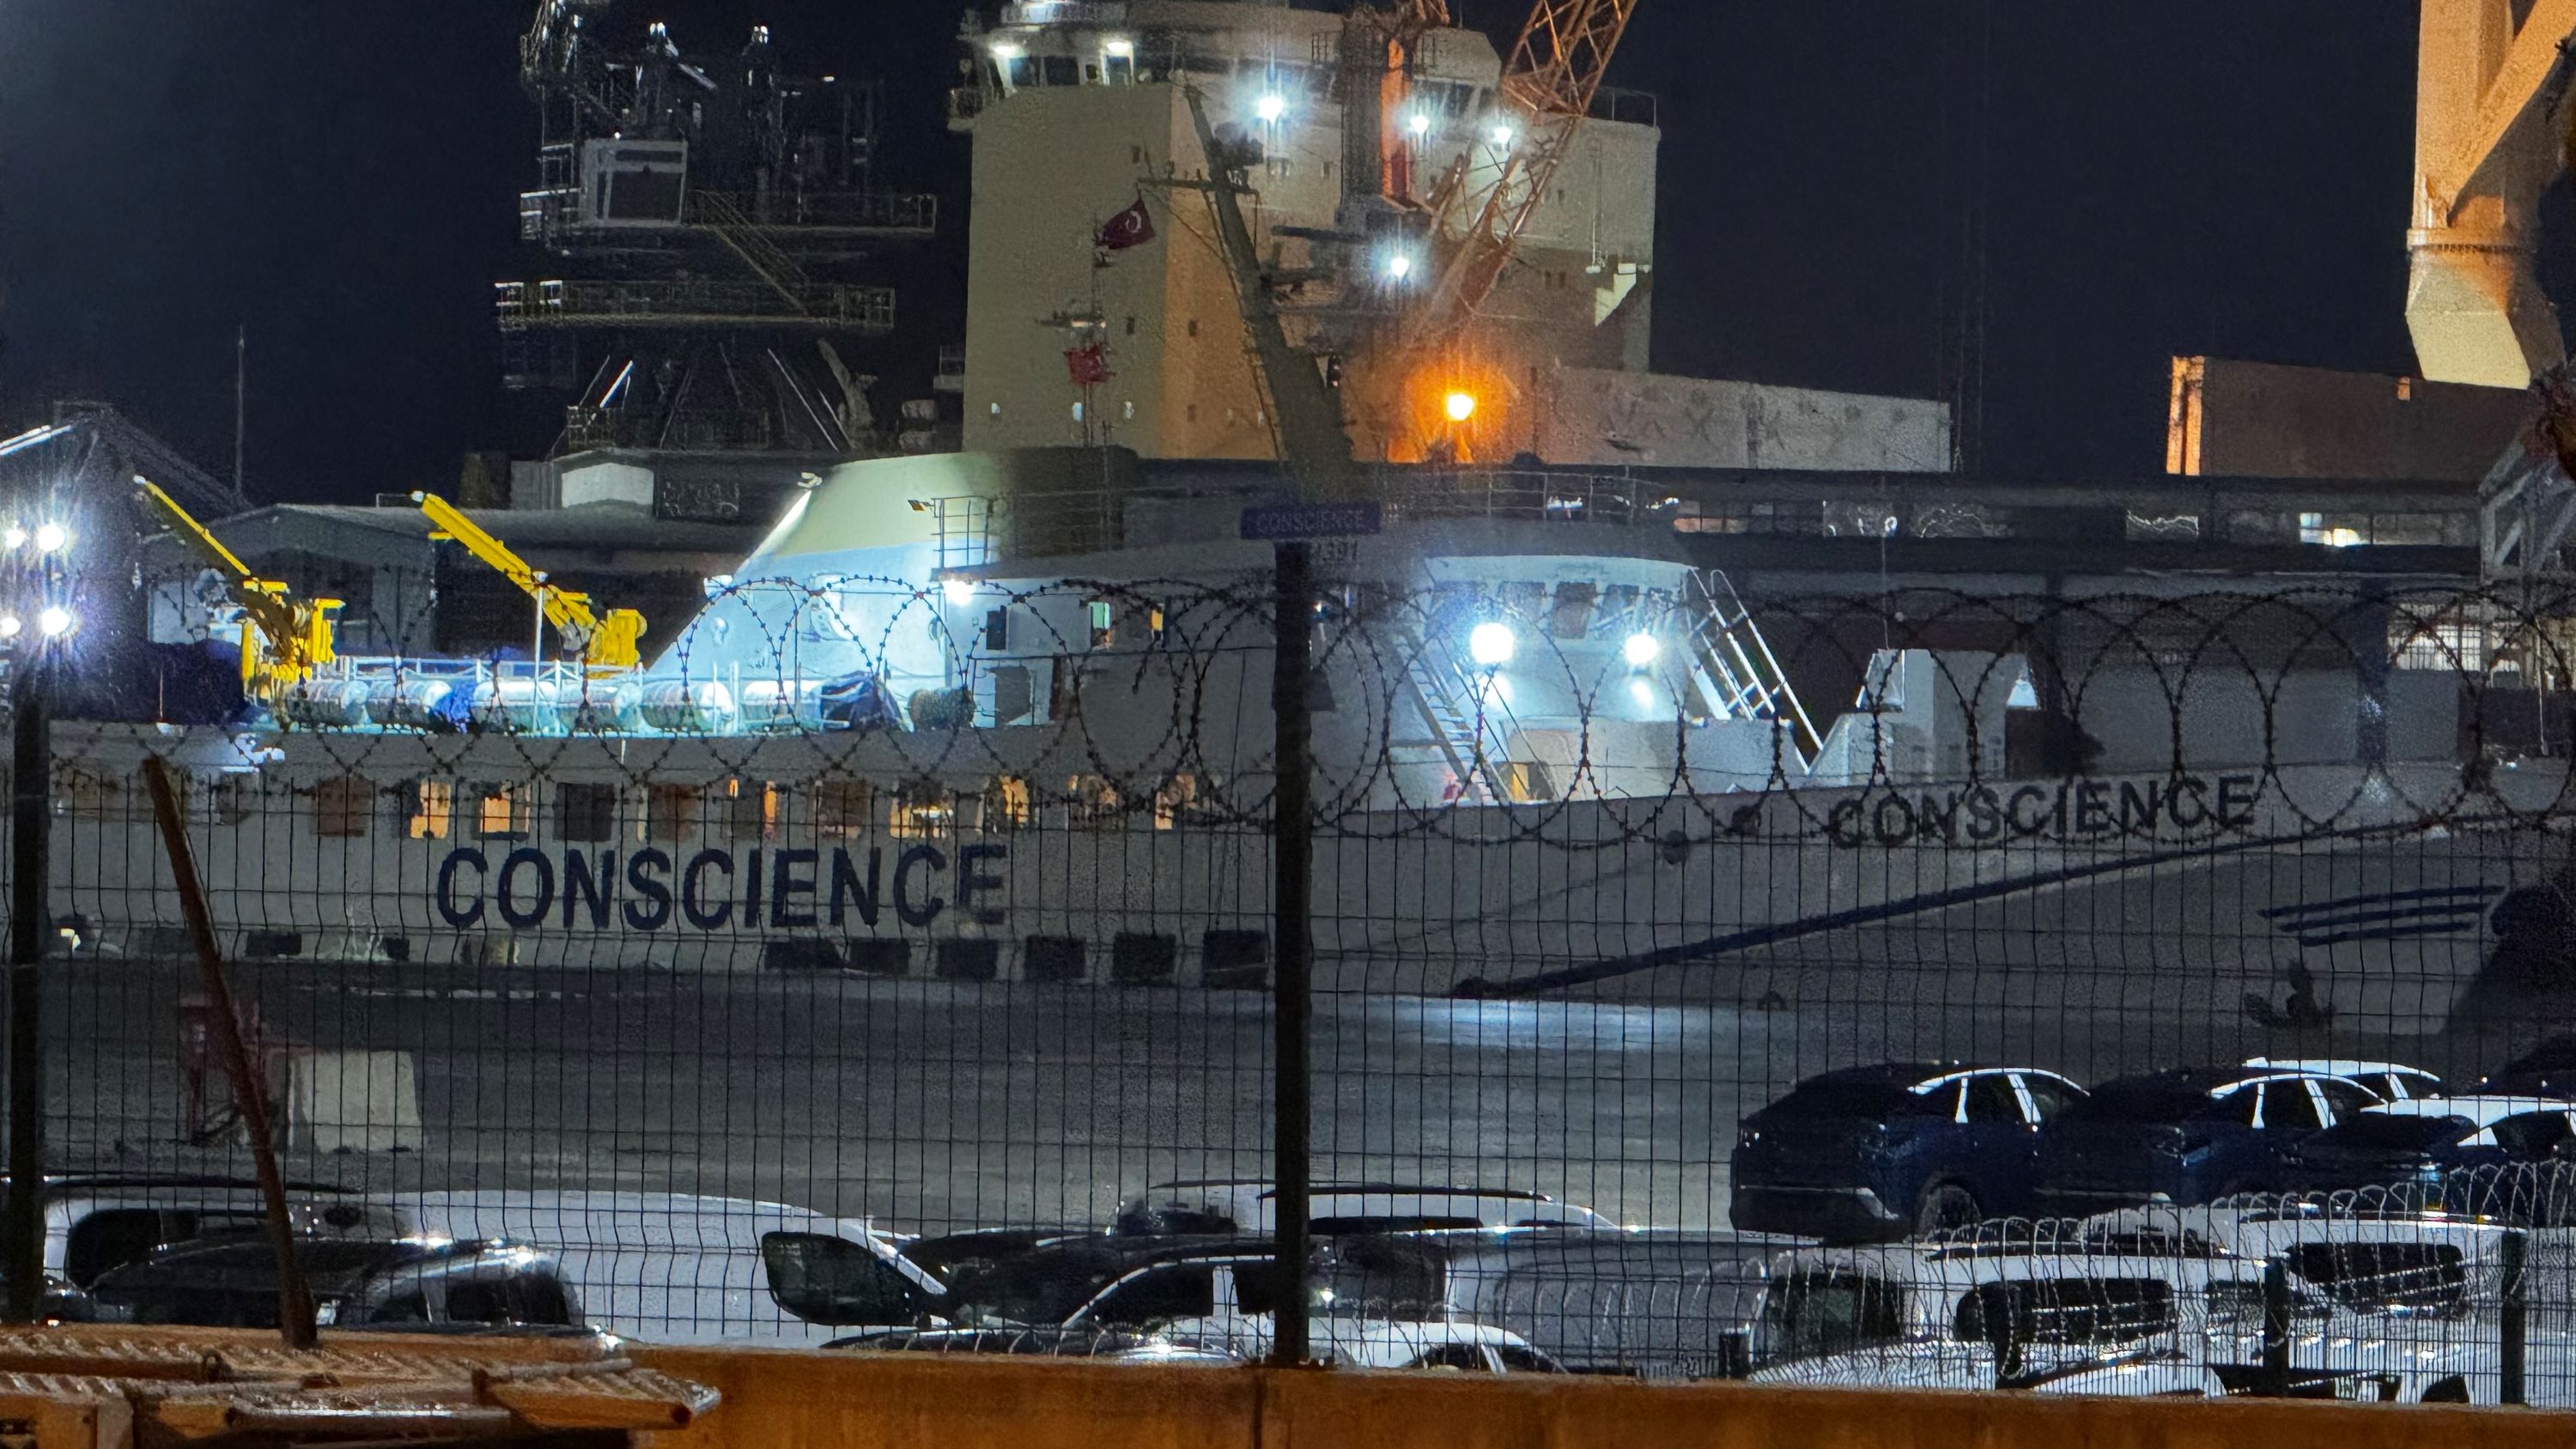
(565, 303)
(852, 210)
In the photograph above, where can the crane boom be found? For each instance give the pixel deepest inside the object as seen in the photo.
(284, 640)
(607, 641)
(1553, 74)
(1311, 440)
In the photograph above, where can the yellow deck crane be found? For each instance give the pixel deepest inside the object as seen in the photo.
(603, 641)
(285, 640)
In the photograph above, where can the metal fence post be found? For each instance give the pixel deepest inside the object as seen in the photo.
(2511, 1253)
(1292, 861)
(2276, 1327)
(22, 1257)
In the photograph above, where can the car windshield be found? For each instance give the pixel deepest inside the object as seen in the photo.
(1848, 1099)
(2065, 1310)
(1828, 1311)
(2409, 1277)
(2386, 1131)
(1046, 1288)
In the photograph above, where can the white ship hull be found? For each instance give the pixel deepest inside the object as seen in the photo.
(2134, 894)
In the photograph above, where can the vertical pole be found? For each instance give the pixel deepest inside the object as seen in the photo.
(295, 1316)
(2510, 1341)
(1292, 860)
(22, 1240)
(2276, 1328)
(241, 406)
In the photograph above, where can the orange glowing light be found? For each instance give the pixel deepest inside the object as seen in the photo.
(1460, 406)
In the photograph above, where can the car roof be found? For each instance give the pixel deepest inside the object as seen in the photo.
(330, 1265)
(1263, 1188)
(2483, 1110)
(2217, 1079)
(2342, 1067)
(1894, 1074)
(1953, 1265)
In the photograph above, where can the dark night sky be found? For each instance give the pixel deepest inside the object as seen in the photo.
(2182, 176)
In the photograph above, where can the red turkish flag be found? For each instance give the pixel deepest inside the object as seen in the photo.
(1089, 366)
(1130, 228)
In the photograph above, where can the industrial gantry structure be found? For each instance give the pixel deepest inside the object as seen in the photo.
(714, 219)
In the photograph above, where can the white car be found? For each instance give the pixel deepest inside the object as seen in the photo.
(668, 1267)
(1212, 1290)
(2389, 1081)
(1243, 1206)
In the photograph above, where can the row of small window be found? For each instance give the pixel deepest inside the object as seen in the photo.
(581, 811)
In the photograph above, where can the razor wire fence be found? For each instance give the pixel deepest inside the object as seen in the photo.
(881, 945)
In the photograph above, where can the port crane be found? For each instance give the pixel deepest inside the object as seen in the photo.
(609, 641)
(285, 640)
(1548, 85)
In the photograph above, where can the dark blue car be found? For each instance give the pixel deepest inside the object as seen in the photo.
(2187, 1136)
(1878, 1152)
(2430, 1142)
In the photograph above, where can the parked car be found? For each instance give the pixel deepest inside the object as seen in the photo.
(1655, 1303)
(2419, 1143)
(1106, 1345)
(2368, 1258)
(95, 1222)
(407, 1285)
(951, 1256)
(1987, 1314)
(1877, 1152)
(2547, 1070)
(2388, 1081)
(2187, 1135)
(1220, 1206)
(1379, 1312)
(679, 1268)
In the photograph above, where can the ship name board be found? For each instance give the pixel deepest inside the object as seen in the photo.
(716, 889)
(2074, 810)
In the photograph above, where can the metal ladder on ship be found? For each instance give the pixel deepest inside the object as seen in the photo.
(1735, 669)
(1460, 733)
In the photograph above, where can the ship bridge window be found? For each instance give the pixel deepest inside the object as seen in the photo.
(1059, 69)
(1570, 616)
(340, 806)
(433, 809)
(841, 807)
(1091, 802)
(922, 810)
(1006, 803)
(750, 809)
(586, 811)
(1172, 801)
(1023, 72)
(501, 811)
(1122, 70)
(670, 812)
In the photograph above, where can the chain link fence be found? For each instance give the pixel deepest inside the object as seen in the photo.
(1691, 972)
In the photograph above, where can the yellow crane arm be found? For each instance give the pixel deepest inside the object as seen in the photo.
(294, 635)
(610, 642)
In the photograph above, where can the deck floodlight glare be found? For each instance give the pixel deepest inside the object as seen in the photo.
(54, 622)
(1502, 133)
(13, 538)
(1005, 50)
(1492, 644)
(9, 626)
(958, 592)
(1641, 650)
(1271, 107)
(50, 538)
(1399, 266)
(1460, 406)
(1122, 47)
(1419, 123)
